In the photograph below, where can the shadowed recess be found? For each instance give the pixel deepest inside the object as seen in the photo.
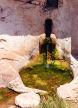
(52, 3)
(48, 27)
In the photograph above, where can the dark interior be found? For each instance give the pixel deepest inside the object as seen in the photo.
(52, 3)
(48, 27)
(47, 47)
(30, 2)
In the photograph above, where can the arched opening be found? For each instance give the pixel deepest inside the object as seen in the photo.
(52, 3)
(48, 27)
(48, 46)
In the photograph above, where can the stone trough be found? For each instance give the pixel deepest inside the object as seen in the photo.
(16, 52)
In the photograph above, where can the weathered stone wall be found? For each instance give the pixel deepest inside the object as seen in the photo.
(20, 18)
(65, 22)
(17, 17)
(74, 25)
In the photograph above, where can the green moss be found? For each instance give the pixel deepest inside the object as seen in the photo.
(1, 97)
(2, 91)
(41, 77)
(55, 54)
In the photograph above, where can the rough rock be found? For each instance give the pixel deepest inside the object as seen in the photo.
(70, 91)
(64, 48)
(42, 37)
(53, 38)
(15, 53)
(67, 91)
(27, 100)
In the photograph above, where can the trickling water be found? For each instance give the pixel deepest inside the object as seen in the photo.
(46, 49)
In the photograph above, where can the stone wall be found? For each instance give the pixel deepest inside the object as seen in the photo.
(67, 25)
(74, 25)
(18, 18)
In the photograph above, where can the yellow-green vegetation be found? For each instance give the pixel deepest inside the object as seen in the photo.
(48, 74)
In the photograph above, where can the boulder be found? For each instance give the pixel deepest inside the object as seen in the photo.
(27, 100)
(53, 38)
(15, 53)
(70, 91)
(64, 48)
(42, 37)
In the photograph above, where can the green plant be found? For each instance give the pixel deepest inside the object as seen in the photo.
(56, 102)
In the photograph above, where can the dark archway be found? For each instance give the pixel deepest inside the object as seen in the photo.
(48, 46)
(52, 3)
(48, 27)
